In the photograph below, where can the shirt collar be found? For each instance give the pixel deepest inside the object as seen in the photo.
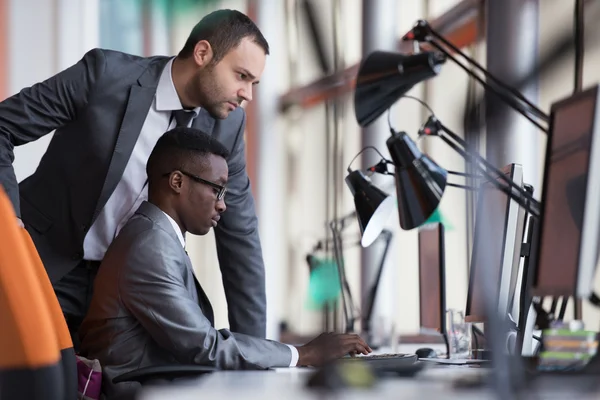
(177, 229)
(166, 94)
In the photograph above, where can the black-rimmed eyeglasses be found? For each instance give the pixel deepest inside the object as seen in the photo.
(219, 190)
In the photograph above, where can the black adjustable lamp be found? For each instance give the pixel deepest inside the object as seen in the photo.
(373, 206)
(420, 184)
(384, 77)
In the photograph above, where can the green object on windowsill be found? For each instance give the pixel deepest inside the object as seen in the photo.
(437, 217)
(324, 285)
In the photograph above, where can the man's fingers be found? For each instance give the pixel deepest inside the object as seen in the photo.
(354, 347)
(351, 343)
(356, 339)
(362, 349)
(364, 344)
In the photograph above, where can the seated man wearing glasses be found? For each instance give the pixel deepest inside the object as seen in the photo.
(148, 309)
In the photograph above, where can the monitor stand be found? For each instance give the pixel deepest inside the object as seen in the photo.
(367, 316)
(525, 322)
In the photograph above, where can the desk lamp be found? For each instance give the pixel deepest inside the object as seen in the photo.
(373, 206)
(385, 76)
(412, 169)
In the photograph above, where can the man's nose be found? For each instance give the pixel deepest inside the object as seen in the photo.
(246, 93)
(221, 207)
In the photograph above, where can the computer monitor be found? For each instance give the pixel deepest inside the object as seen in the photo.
(498, 235)
(570, 213)
(432, 285)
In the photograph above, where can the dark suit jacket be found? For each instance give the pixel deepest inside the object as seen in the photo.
(148, 309)
(98, 107)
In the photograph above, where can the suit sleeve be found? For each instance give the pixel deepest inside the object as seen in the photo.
(40, 109)
(239, 249)
(152, 289)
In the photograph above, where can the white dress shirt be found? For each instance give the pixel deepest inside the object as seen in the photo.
(132, 189)
(177, 229)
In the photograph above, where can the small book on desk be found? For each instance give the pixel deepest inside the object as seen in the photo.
(453, 361)
(403, 364)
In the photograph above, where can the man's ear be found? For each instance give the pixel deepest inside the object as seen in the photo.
(176, 181)
(203, 53)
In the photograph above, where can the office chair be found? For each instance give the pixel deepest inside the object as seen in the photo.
(30, 360)
(68, 361)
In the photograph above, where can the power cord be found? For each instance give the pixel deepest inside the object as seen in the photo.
(362, 151)
(389, 114)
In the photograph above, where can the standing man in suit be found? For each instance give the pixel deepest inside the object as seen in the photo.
(148, 309)
(108, 111)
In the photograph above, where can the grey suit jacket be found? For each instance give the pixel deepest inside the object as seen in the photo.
(98, 107)
(148, 309)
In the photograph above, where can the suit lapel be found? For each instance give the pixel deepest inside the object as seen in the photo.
(155, 214)
(140, 99)
(203, 300)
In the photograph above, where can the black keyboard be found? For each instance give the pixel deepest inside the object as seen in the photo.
(386, 362)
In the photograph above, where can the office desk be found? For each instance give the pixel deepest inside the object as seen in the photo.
(289, 383)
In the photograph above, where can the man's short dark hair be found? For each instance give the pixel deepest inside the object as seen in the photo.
(180, 147)
(224, 30)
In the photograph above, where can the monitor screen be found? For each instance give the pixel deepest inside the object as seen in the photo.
(569, 222)
(498, 235)
(432, 294)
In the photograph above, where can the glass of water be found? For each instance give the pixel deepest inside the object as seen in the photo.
(459, 335)
(383, 334)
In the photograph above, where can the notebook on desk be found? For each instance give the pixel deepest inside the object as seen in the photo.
(453, 361)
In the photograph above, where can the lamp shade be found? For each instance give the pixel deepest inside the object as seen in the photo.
(420, 182)
(373, 206)
(384, 77)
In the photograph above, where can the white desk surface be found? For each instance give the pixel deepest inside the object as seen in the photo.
(434, 382)
(289, 383)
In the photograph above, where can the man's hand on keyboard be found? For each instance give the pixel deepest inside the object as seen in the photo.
(330, 346)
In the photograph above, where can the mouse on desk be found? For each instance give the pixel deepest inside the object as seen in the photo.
(426, 352)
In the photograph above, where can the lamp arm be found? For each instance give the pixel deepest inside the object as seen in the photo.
(538, 113)
(458, 185)
(341, 221)
(366, 317)
(337, 252)
(465, 174)
(498, 92)
(423, 32)
(521, 197)
(445, 130)
(325, 242)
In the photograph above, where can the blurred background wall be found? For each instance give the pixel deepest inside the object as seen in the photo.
(296, 160)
